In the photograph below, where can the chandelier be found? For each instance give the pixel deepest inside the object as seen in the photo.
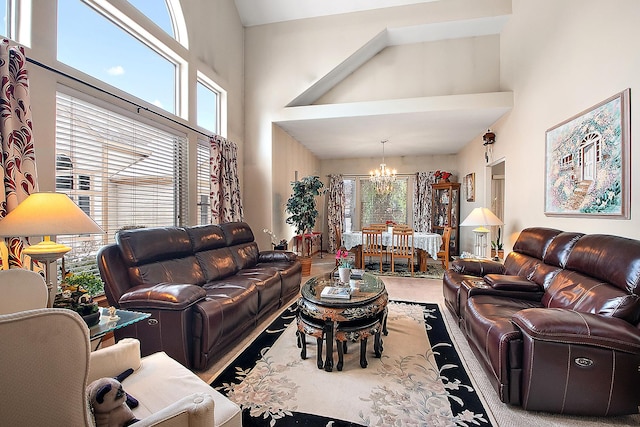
(384, 177)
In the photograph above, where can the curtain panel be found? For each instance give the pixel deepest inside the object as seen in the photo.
(16, 134)
(335, 211)
(422, 201)
(226, 202)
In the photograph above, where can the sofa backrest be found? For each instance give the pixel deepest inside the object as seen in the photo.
(157, 255)
(529, 250)
(240, 240)
(210, 249)
(600, 276)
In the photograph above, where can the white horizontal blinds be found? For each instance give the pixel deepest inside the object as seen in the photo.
(122, 172)
(204, 182)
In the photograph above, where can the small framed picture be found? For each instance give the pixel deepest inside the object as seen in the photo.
(470, 187)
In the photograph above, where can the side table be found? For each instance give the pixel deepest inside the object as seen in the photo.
(106, 324)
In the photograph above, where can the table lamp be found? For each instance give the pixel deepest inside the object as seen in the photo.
(481, 217)
(46, 214)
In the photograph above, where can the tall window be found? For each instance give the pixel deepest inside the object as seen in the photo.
(5, 24)
(207, 107)
(159, 14)
(93, 44)
(122, 172)
(364, 206)
(204, 183)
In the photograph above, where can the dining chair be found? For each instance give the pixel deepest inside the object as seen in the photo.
(22, 290)
(443, 253)
(372, 244)
(402, 247)
(377, 226)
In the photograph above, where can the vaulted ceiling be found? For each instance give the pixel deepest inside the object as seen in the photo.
(414, 126)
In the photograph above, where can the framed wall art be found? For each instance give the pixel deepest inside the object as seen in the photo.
(587, 162)
(470, 187)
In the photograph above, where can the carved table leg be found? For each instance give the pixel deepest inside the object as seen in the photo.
(328, 363)
(363, 352)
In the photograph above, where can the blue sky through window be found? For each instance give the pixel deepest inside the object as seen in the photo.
(94, 45)
(157, 11)
(207, 103)
(4, 27)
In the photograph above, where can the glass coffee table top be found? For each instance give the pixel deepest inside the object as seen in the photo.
(364, 289)
(106, 324)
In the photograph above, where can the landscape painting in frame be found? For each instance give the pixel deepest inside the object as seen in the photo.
(587, 162)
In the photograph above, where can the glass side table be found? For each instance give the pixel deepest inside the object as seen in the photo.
(106, 324)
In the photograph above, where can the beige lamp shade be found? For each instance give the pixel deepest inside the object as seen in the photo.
(481, 217)
(47, 214)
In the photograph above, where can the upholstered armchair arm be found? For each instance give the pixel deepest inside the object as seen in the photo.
(477, 267)
(195, 410)
(572, 327)
(165, 296)
(273, 256)
(115, 359)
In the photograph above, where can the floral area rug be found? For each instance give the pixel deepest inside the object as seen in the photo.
(434, 270)
(418, 381)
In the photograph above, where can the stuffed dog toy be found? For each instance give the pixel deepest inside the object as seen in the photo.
(109, 403)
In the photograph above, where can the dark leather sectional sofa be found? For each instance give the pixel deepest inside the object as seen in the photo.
(206, 287)
(556, 327)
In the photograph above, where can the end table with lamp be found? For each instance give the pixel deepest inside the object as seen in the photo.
(46, 214)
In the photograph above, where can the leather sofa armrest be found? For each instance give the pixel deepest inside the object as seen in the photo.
(164, 296)
(273, 256)
(477, 267)
(572, 327)
(505, 282)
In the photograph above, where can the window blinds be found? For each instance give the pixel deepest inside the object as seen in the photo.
(122, 172)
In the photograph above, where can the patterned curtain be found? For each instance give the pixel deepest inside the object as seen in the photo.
(335, 212)
(422, 201)
(16, 135)
(226, 203)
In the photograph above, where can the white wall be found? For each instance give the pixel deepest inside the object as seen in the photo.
(282, 60)
(559, 57)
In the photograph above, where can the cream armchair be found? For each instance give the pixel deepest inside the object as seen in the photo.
(46, 363)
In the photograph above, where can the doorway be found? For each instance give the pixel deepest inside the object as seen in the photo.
(498, 177)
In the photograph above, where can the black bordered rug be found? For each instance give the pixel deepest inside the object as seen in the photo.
(414, 383)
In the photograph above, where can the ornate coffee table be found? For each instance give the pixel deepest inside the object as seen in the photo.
(354, 319)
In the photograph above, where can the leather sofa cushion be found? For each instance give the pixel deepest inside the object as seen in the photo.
(534, 241)
(145, 245)
(237, 233)
(245, 254)
(171, 296)
(206, 237)
(560, 247)
(510, 283)
(574, 291)
(217, 264)
(613, 259)
(179, 270)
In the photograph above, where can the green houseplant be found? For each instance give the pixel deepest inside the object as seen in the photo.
(302, 209)
(78, 290)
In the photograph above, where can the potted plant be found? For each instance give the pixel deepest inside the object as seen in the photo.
(78, 290)
(302, 210)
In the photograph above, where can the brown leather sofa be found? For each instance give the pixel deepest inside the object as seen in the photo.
(556, 328)
(206, 287)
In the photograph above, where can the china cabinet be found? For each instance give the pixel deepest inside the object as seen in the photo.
(445, 211)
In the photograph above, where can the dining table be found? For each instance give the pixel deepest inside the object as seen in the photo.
(424, 243)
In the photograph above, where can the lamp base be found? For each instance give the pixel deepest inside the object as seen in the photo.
(47, 252)
(480, 247)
